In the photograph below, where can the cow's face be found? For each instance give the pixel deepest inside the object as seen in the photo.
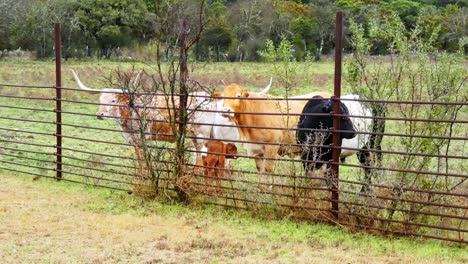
(232, 105)
(199, 101)
(231, 151)
(316, 116)
(346, 125)
(109, 104)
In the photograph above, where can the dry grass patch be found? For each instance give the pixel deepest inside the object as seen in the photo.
(46, 222)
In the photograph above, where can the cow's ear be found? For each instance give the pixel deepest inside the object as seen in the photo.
(231, 149)
(122, 98)
(217, 94)
(245, 94)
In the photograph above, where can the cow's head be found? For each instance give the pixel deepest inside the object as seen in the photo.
(234, 104)
(236, 94)
(320, 106)
(110, 99)
(109, 103)
(231, 151)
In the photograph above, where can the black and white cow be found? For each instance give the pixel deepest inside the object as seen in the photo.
(313, 133)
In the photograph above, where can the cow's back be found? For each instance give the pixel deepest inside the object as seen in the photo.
(285, 116)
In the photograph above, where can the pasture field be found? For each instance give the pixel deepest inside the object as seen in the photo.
(95, 149)
(48, 222)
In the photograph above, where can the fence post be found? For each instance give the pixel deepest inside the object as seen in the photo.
(58, 100)
(336, 118)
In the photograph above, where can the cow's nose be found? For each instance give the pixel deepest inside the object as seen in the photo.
(227, 112)
(100, 116)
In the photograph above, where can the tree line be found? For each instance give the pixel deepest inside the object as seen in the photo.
(233, 30)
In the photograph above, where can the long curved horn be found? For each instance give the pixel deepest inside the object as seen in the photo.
(81, 85)
(267, 88)
(137, 79)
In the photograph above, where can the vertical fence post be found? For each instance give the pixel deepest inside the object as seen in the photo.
(58, 100)
(336, 118)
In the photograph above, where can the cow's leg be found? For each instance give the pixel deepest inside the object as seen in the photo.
(228, 168)
(220, 172)
(268, 163)
(198, 145)
(364, 156)
(367, 156)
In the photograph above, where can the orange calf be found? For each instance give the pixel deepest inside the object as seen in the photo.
(215, 158)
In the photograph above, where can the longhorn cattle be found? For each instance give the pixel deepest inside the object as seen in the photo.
(269, 135)
(114, 104)
(313, 132)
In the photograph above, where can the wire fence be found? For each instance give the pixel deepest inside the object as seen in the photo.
(428, 200)
(412, 183)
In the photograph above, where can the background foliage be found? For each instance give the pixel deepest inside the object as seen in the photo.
(235, 29)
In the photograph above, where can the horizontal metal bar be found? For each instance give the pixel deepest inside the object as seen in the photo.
(26, 158)
(26, 86)
(99, 162)
(29, 144)
(27, 120)
(28, 108)
(29, 151)
(26, 165)
(332, 147)
(268, 98)
(107, 171)
(94, 177)
(342, 201)
(402, 233)
(27, 97)
(407, 171)
(233, 180)
(99, 154)
(27, 132)
(403, 200)
(100, 170)
(403, 222)
(405, 189)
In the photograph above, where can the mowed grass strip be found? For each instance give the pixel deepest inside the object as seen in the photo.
(45, 221)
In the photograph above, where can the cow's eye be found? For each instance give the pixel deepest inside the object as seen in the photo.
(113, 101)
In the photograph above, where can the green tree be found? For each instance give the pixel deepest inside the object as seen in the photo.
(324, 13)
(10, 12)
(111, 24)
(407, 10)
(219, 36)
(454, 26)
(36, 30)
(305, 35)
